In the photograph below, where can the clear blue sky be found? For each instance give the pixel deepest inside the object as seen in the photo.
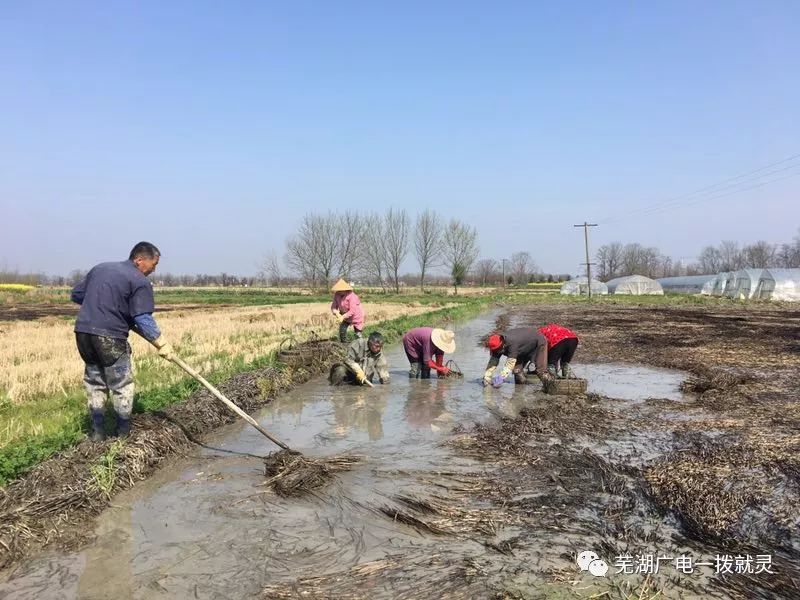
(210, 128)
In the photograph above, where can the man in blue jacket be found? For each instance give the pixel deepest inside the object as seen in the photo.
(115, 297)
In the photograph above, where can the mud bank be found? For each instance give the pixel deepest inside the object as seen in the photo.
(55, 501)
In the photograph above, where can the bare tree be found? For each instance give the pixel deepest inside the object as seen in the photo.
(350, 237)
(731, 257)
(485, 269)
(427, 242)
(521, 266)
(760, 255)
(788, 256)
(396, 226)
(271, 270)
(312, 253)
(710, 260)
(374, 250)
(75, 276)
(609, 259)
(461, 250)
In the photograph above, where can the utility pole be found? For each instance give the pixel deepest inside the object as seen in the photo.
(503, 260)
(586, 226)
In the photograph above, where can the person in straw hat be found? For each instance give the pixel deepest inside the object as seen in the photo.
(425, 349)
(346, 307)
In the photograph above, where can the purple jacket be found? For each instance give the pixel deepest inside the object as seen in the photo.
(418, 345)
(349, 305)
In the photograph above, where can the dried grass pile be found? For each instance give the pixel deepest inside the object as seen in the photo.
(743, 488)
(401, 577)
(292, 474)
(442, 515)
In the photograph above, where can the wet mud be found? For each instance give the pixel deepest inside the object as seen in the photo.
(683, 447)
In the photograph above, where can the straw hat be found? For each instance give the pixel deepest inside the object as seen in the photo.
(444, 340)
(341, 286)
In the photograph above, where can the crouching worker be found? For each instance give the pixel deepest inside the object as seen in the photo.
(561, 346)
(364, 361)
(520, 346)
(346, 308)
(425, 349)
(115, 297)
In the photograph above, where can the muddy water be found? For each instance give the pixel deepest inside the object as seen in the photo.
(206, 527)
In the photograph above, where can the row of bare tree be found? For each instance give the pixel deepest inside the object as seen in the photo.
(618, 260)
(374, 246)
(728, 256)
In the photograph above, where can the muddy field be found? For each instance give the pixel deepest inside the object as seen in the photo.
(684, 451)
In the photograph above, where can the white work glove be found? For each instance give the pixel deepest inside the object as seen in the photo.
(165, 349)
(360, 375)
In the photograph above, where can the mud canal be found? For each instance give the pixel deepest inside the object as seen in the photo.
(684, 449)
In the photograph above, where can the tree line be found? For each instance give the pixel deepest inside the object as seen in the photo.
(372, 248)
(618, 260)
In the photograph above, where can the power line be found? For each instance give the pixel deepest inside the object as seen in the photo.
(712, 189)
(716, 197)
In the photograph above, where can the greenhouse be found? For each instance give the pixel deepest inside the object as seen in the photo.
(635, 285)
(719, 284)
(779, 284)
(688, 284)
(744, 284)
(579, 287)
(730, 283)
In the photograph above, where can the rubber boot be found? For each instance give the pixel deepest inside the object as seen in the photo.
(123, 427)
(98, 426)
(552, 370)
(566, 371)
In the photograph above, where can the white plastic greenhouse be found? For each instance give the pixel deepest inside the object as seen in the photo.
(688, 284)
(744, 284)
(730, 283)
(719, 284)
(635, 285)
(779, 284)
(579, 287)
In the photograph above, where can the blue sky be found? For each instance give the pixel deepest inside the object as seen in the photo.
(211, 128)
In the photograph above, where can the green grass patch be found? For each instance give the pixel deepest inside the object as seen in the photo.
(104, 472)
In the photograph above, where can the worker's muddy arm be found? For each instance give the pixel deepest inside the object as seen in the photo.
(540, 358)
(382, 367)
(490, 368)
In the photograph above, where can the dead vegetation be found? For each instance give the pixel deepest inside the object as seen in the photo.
(292, 474)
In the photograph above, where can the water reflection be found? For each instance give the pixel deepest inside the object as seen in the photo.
(360, 409)
(425, 406)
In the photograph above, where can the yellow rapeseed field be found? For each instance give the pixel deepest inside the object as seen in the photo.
(39, 358)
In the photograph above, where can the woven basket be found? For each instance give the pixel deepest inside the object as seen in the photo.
(565, 387)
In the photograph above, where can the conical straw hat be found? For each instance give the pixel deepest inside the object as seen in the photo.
(341, 286)
(444, 339)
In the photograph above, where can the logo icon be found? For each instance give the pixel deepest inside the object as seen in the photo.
(589, 561)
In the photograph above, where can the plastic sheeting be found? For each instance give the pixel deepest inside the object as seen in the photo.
(579, 287)
(720, 283)
(779, 284)
(744, 284)
(688, 284)
(635, 285)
